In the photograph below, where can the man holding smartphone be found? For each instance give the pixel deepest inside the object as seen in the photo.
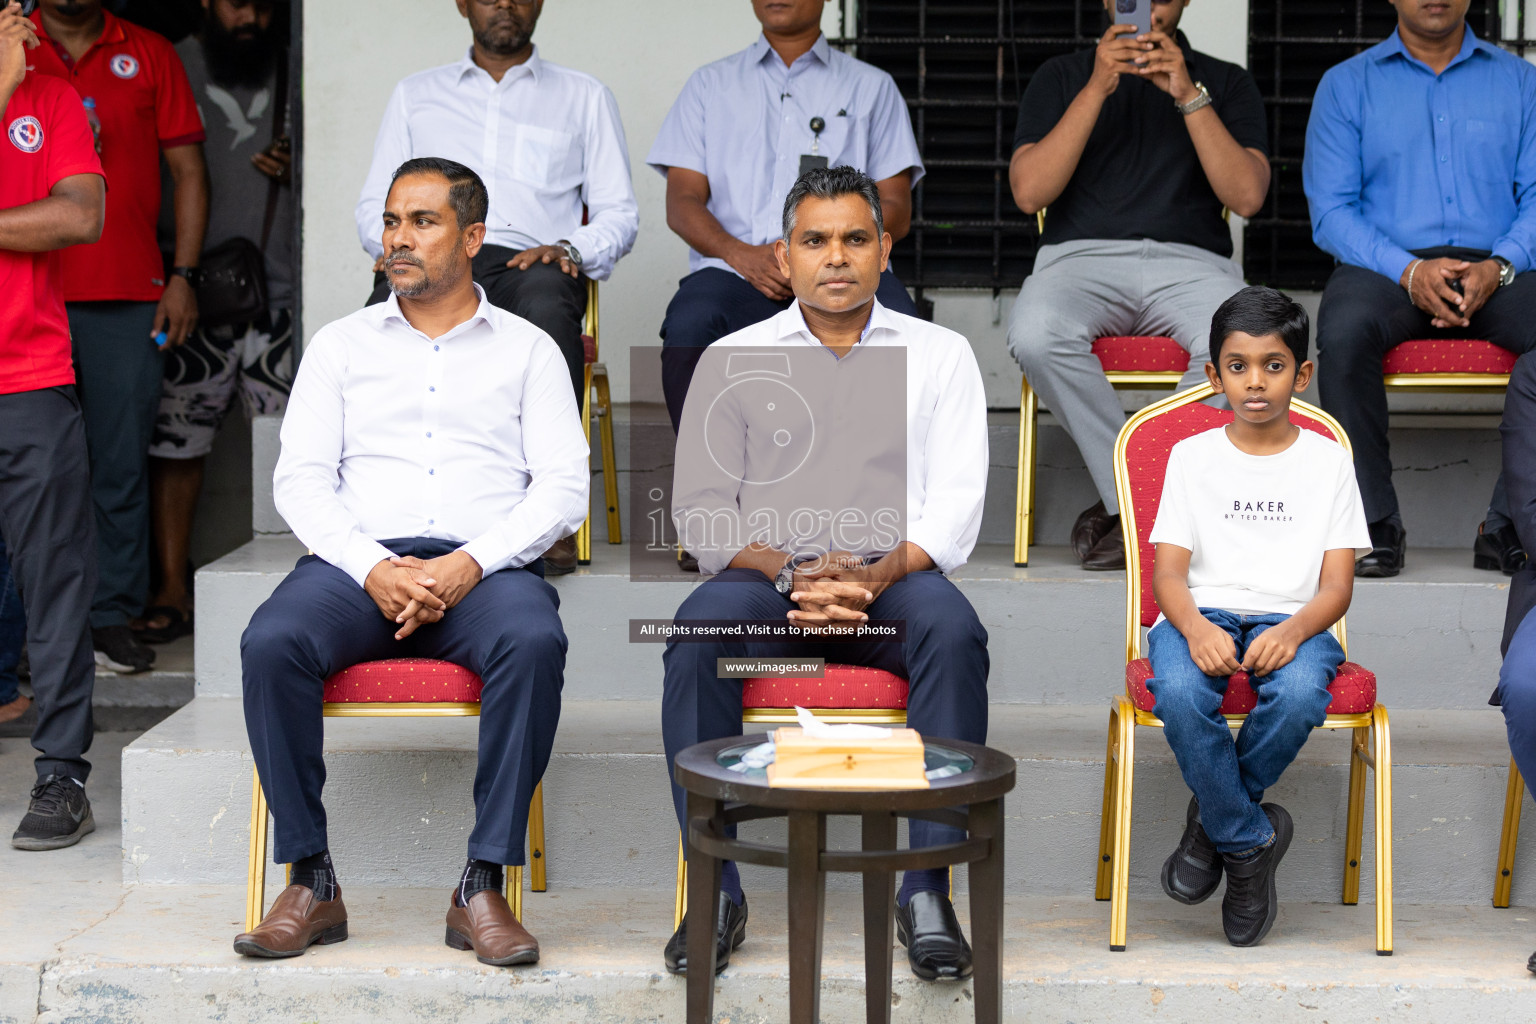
(52, 195)
(1136, 146)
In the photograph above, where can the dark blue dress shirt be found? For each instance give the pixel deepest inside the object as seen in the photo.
(1399, 158)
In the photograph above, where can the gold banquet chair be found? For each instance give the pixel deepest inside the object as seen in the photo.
(597, 378)
(396, 688)
(1141, 460)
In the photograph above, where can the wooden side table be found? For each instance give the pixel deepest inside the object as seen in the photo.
(970, 776)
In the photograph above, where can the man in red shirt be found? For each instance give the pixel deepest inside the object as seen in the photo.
(119, 296)
(52, 195)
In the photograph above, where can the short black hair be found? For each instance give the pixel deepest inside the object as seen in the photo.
(830, 183)
(466, 192)
(1259, 312)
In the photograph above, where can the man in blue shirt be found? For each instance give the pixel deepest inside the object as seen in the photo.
(743, 130)
(1420, 172)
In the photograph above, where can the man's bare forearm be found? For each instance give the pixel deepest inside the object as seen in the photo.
(1238, 176)
(190, 203)
(53, 222)
(690, 219)
(1038, 174)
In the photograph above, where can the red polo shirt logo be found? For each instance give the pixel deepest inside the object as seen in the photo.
(124, 66)
(26, 134)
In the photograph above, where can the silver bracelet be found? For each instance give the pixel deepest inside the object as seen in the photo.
(1412, 269)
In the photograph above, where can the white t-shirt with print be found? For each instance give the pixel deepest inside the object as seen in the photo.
(1256, 526)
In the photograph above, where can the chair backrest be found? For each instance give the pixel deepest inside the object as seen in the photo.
(1141, 462)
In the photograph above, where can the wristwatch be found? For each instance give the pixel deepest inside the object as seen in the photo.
(784, 582)
(1202, 100)
(1506, 271)
(571, 252)
(194, 275)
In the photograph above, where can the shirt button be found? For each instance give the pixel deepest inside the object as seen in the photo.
(430, 388)
(429, 433)
(1447, 200)
(431, 521)
(1441, 118)
(431, 472)
(1443, 158)
(434, 347)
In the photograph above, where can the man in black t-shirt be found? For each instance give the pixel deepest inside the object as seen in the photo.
(1136, 146)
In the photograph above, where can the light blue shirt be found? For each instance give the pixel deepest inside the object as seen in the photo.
(1400, 158)
(745, 121)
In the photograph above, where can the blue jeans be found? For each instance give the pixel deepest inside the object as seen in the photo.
(1229, 778)
(13, 629)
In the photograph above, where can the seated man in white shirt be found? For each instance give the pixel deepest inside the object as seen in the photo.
(549, 145)
(830, 470)
(430, 453)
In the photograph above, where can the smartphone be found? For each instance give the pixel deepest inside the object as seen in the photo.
(1134, 12)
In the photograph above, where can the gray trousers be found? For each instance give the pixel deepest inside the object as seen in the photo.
(1092, 288)
(119, 370)
(45, 517)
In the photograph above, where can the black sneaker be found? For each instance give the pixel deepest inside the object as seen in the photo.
(118, 650)
(1250, 906)
(1193, 871)
(58, 816)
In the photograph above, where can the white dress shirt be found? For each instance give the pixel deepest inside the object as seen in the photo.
(724, 494)
(470, 437)
(744, 122)
(545, 140)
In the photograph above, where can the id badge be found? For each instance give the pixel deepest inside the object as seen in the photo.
(812, 163)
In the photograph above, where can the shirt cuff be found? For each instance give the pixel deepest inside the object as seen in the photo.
(1394, 263)
(183, 140)
(485, 553)
(360, 556)
(944, 552)
(1514, 252)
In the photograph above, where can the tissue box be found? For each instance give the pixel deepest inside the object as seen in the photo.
(816, 762)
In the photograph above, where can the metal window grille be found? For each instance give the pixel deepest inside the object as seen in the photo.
(1290, 44)
(961, 64)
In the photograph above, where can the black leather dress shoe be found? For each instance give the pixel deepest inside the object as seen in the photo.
(1499, 550)
(1530, 964)
(1108, 554)
(1092, 525)
(686, 562)
(1388, 542)
(936, 947)
(1193, 871)
(730, 932)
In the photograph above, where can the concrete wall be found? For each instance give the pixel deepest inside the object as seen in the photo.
(354, 54)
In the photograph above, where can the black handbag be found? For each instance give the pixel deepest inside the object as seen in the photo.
(234, 280)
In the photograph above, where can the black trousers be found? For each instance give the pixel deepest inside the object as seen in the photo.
(1364, 314)
(48, 522)
(554, 302)
(712, 303)
(319, 621)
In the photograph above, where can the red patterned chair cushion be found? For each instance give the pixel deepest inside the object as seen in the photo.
(844, 687)
(1141, 354)
(403, 681)
(588, 349)
(1447, 356)
(1146, 463)
(1353, 689)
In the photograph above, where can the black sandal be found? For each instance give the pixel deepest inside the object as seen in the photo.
(178, 626)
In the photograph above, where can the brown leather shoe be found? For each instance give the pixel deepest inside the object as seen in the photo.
(487, 926)
(296, 921)
(1093, 525)
(1108, 554)
(561, 557)
(15, 709)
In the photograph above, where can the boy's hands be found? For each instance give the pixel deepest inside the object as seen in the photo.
(1274, 648)
(1213, 649)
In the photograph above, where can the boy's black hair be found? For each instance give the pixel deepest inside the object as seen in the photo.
(1259, 311)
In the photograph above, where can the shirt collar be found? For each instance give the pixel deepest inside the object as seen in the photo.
(1392, 46)
(484, 312)
(111, 32)
(791, 322)
(534, 66)
(760, 48)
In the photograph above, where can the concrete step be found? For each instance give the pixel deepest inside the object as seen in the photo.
(398, 800)
(130, 702)
(1056, 632)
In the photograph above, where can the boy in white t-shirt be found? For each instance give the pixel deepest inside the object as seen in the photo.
(1257, 534)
